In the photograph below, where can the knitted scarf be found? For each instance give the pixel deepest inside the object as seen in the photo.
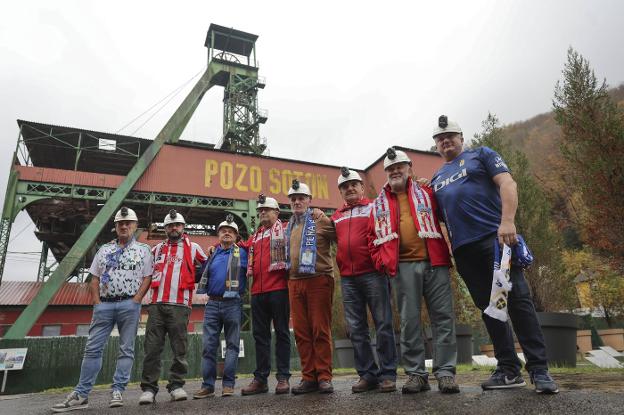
(112, 261)
(278, 248)
(425, 221)
(187, 270)
(307, 249)
(500, 283)
(232, 283)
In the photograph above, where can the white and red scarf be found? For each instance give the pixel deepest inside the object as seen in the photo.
(425, 220)
(278, 248)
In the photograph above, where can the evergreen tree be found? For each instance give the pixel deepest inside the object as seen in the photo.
(593, 147)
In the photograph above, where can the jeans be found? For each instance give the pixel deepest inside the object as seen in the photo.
(475, 263)
(413, 281)
(373, 290)
(165, 320)
(266, 308)
(311, 309)
(105, 315)
(219, 315)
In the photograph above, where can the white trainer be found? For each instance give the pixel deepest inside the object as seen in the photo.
(147, 397)
(116, 399)
(71, 403)
(178, 394)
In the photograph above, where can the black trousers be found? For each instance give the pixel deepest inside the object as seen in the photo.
(162, 320)
(266, 308)
(475, 263)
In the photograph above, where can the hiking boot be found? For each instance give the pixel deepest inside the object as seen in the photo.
(325, 386)
(544, 383)
(72, 402)
(204, 393)
(387, 385)
(116, 399)
(227, 391)
(415, 384)
(147, 397)
(500, 380)
(254, 388)
(282, 387)
(305, 386)
(363, 385)
(178, 394)
(447, 384)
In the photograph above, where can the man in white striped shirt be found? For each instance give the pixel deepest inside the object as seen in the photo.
(170, 307)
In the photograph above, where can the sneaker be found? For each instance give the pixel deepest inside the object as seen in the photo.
(178, 394)
(71, 403)
(116, 399)
(305, 386)
(447, 384)
(500, 380)
(147, 397)
(227, 391)
(282, 387)
(416, 384)
(363, 385)
(544, 383)
(204, 393)
(387, 385)
(254, 388)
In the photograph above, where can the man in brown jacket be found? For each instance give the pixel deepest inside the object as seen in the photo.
(311, 289)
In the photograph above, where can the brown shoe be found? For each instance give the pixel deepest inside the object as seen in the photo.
(254, 388)
(387, 386)
(203, 393)
(325, 386)
(363, 385)
(282, 387)
(227, 391)
(305, 386)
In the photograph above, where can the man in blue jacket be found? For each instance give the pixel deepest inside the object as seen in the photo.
(223, 279)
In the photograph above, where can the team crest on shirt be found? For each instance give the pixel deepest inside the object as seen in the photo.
(462, 162)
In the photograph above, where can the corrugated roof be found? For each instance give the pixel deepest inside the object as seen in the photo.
(21, 293)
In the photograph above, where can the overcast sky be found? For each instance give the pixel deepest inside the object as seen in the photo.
(345, 79)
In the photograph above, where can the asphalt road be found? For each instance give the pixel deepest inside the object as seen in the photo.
(471, 400)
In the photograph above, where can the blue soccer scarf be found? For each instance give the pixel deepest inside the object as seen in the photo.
(307, 249)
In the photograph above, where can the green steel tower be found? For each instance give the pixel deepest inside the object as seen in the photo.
(241, 115)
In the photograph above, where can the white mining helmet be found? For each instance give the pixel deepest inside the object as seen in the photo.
(126, 213)
(347, 175)
(229, 221)
(299, 189)
(395, 156)
(267, 202)
(446, 126)
(174, 217)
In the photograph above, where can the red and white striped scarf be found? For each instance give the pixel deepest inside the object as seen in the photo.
(425, 221)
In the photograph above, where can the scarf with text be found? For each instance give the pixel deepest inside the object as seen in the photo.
(307, 249)
(232, 283)
(500, 283)
(425, 221)
(278, 248)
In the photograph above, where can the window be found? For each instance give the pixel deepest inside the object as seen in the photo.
(49, 331)
(82, 330)
(107, 145)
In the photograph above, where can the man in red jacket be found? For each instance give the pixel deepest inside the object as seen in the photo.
(269, 298)
(406, 243)
(362, 285)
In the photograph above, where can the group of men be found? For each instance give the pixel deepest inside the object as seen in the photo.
(392, 246)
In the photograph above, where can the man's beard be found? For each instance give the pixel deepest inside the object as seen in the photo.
(174, 236)
(396, 185)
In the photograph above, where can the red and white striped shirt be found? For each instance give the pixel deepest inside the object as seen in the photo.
(173, 260)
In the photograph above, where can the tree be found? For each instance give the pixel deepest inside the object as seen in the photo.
(593, 148)
(551, 288)
(606, 286)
